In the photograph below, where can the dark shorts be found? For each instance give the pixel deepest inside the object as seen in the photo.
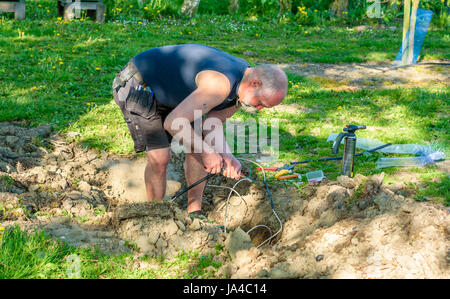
(145, 122)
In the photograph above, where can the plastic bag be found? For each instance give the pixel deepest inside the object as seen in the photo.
(410, 161)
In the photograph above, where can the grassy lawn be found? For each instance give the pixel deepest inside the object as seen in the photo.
(36, 255)
(60, 73)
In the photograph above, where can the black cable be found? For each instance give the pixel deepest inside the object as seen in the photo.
(192, 186)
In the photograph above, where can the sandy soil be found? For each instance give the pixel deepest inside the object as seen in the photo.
(349, 228)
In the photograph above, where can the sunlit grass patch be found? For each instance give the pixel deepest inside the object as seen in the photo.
(37, 255)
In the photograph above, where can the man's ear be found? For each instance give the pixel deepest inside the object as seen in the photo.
(256, 83)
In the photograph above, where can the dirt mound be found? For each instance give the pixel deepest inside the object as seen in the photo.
(353, 228)
(345, 228)
(89, 198)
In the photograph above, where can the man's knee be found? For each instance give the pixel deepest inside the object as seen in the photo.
(159, 159)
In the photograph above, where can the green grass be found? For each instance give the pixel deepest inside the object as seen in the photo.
(36, 255)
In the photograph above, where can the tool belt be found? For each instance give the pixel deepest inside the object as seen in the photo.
(141, 101)
(128, 72)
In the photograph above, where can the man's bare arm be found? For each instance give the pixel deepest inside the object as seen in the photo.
(213, 129)
(213, 88)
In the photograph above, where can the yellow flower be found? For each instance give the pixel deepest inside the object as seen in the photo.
(339, 107)
(34, 88)
(2, 228)
(131, 6)
(31, 55)
(53, 67)
(97, 68)
(145, 7)
(66, 92)
(61, 62)
(256, 34)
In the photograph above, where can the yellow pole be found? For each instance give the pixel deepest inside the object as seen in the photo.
(406, 16)
(412, 29)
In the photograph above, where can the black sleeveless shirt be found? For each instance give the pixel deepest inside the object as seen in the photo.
(170, 71)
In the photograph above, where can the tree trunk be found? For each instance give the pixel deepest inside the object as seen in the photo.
(233, 6)
(190, 7)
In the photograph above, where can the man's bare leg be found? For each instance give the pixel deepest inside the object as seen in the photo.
(156, 172)
(193, 169)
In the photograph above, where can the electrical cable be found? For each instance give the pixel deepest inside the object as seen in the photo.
(271, 204)
(226, 203)
(232, 189)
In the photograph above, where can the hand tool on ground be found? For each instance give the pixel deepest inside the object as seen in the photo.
(349, 137)
(275, 168)
(291, 176)
(282, 172)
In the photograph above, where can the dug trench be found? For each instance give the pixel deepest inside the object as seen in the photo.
(347, 228)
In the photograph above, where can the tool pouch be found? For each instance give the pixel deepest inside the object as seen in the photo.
(140, 101)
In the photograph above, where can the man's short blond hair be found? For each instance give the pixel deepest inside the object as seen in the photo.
(273, 79)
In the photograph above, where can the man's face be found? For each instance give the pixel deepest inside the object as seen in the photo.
(256, 99)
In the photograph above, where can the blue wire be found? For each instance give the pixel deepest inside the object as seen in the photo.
(268, 193)
(265, 184)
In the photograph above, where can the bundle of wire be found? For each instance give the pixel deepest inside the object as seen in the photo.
(232, 189)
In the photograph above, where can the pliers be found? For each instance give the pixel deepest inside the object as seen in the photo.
(286, 169)
(286, 166)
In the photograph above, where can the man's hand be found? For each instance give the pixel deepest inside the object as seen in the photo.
(212, 162)
(232, 167)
